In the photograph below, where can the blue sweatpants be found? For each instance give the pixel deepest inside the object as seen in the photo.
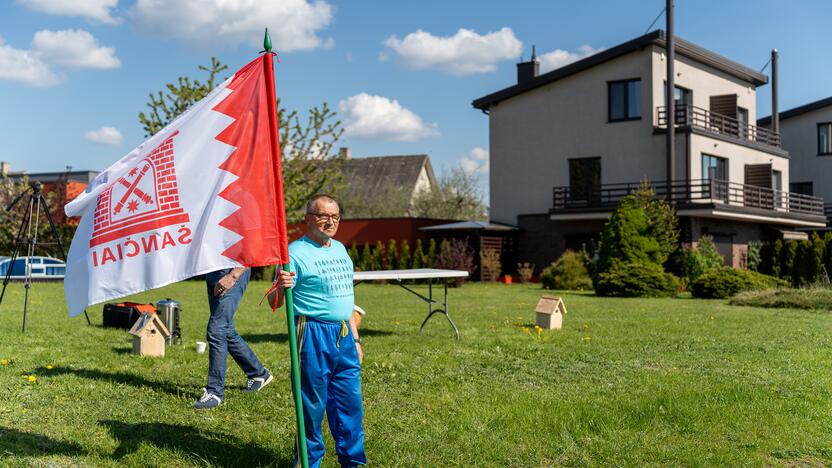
(330, 380)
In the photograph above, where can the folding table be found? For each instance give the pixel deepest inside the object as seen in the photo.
(430, 274)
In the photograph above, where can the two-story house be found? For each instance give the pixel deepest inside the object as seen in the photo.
(567, 145)
(807, 135)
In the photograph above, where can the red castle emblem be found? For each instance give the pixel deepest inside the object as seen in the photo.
(146, 198)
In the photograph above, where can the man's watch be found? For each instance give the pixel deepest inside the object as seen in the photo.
(358, 340)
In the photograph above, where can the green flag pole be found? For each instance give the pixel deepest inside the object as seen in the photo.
(300, 437)
(293, 350)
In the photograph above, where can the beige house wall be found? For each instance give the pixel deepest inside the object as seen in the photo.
(703, 81)
(737, 155)
(800, 138)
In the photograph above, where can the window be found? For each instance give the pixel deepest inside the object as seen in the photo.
(777, 180)
(804, 188)
(715, 176)
(825, 138)
(742, 119)
(584, 178)
(714, 167)
(682, 98)
(624, 100)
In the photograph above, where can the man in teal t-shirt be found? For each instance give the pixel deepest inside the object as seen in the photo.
(320, 276)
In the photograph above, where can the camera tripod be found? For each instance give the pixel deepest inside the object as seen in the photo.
(30, 225)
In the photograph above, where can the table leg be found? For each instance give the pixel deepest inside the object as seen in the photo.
(443, 310)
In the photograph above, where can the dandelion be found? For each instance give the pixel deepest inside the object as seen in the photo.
(587, 338)
(50, 366)
(539, 330)
(4, 362)
(525, 329)
(32, 379)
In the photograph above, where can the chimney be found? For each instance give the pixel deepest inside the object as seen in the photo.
(527, 71)
(344, 153)
(5, 167)
(775, 110)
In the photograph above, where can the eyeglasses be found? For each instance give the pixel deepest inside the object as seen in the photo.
(324, 216)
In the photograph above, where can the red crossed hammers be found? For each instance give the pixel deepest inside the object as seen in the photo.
(131, 189)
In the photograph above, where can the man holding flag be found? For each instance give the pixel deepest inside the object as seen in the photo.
(320, 276)
(203, 194)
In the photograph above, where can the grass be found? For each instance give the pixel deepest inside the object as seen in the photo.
(803, 298)
(626, 382)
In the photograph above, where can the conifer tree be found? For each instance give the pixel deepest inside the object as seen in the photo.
(404, 256)
(776, 253)
(366, 258)
(430, 258)
(392, 255)
(353, 252)
(379, 262)
(418, 255)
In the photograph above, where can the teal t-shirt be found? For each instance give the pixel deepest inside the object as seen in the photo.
(323, 280)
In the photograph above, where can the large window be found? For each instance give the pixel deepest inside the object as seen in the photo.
(804, 188)
(825, 138)
(624, 100)
(714, 167)
(584, 178)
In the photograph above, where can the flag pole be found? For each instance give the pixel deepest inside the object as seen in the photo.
(300, 436)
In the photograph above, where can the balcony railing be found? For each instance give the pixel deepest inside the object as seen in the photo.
(687, 115)
(690, 192)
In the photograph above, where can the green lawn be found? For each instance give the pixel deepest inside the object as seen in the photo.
(626, 382)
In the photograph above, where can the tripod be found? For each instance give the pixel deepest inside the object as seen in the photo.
(36, 203)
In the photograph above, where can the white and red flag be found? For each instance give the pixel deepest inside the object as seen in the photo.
(204, 193)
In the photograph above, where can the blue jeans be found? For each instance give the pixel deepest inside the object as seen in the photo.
(223, 338)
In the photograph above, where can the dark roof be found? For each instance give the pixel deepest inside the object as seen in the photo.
(73, 176)
(820, 104)
(472, 225)
(657, 37)
(378, 173)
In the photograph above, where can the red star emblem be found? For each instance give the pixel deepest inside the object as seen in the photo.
(132, 206)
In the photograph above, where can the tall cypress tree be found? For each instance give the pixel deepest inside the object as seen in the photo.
(430, 258)
(353, 252)
(366, 258)
(418, 255)
(379, 262)
(776, 262)
(392, 255)
(404, 256)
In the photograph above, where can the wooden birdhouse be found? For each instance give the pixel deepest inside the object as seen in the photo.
(550, 311)
(149, 333)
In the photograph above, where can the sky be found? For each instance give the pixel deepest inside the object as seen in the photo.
(74, 74)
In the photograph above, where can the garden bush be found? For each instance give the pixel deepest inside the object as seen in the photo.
(636, 280)
(726, 282)
(810, 298)
(567, 272)
(455, 254)
(694, 262)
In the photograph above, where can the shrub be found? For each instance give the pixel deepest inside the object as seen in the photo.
(642, 229)
(726, 282)
(776, 253)
(787, 258)
(693, 262)
(567, 272)
(430, 256)
(419, 260)
(455, 255)
(354, 256)
(392, 255)
(785, 299)
(379, 260)
(367, 263)
(405, 261)
(490, 264)
(754, 256)
(636, 280)
(525, 270)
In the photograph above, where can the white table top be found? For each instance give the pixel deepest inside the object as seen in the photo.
(400, 275)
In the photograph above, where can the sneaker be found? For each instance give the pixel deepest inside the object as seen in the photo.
(257, 383)
(207, 401)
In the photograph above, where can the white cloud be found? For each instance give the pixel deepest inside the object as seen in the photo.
(368, 116)
(464, 53)
(294, 24)
(104, 136)
(73, 48)
(559, 57)
(25, 67)
(475, 162)
(95, 10)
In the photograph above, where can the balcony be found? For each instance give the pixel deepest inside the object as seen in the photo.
(703, 119)
(715, 195)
